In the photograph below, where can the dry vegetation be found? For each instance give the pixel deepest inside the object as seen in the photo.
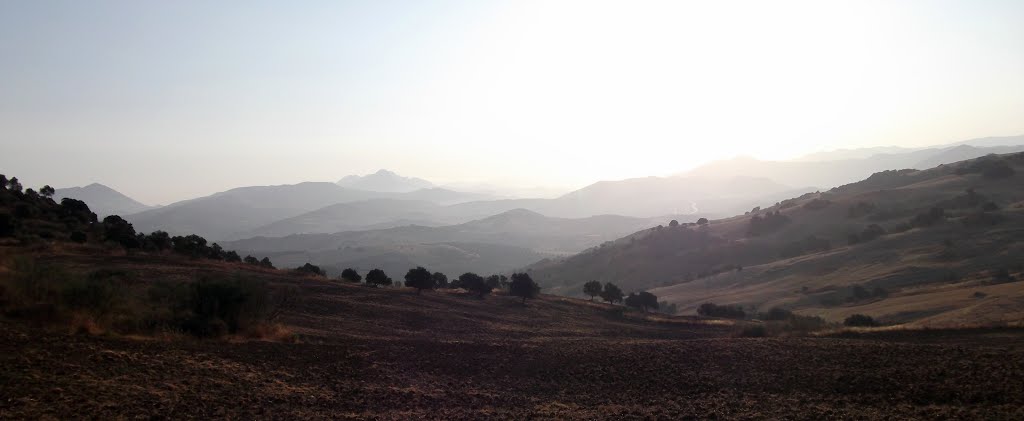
(940, 247)
(368, 353)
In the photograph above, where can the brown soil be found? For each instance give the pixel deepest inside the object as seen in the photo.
(391, 354)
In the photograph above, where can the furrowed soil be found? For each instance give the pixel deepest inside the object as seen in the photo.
(366, 353)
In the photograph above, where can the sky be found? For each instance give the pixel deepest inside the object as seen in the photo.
(166, 101)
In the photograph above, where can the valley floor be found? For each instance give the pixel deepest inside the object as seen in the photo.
(392, 354)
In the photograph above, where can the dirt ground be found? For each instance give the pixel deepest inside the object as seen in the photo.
(365, 353)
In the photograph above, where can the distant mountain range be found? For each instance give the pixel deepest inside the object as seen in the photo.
(385, 181)
(717, 189)
(228, 214)
(523, 237)
(102, 200)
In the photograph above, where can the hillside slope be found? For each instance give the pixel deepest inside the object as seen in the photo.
(856, 248)
(494, 244)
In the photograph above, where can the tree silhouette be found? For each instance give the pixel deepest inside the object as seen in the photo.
(702, 221)
(47, 191)
(351, 275)
(611, 293)
(493, 281)
(311, 269)
(419, 278)
(644, 300)
(523, 286)
(592, 288)
(474, 283)
(251, 260)
(266, 263)
(440, 280)
(377, 277)
(118, 230)
(673, 223)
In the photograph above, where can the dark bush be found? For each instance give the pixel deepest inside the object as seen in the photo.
(7, 224)
(726, 312)
(351, 275)
(79, 237)
(377, 277)
(859, 320)
(419, 278)
(770, 222)
(817, 204)
(860, 209)
(473, 283)
(311, 269)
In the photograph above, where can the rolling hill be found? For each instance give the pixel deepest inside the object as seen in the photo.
(494, 244)
(233, 213)
(102, 199)
(907, 237)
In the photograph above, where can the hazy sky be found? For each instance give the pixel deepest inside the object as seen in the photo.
(165, 100)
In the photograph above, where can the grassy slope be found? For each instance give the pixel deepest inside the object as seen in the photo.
(923, 286)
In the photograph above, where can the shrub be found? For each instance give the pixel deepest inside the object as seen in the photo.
(726, 312)
(753, 331)
(770, 222)
(859, 320)
(225, 306)
(817, 204)
(79, 237)
(311, 269)
(860, 209)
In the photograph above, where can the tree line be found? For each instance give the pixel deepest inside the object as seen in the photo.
(611, 293)
(518, 285)
(28, 214)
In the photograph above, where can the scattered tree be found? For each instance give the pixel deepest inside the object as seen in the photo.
(251, 260)
(474, 283)
(47, 191)
(311, 269)
(419, 278)
(440, 280)
(119, 231)
(592, 288)
(523, 286)
(377, 277)
(702, 221)
(611, 293)
(266, 263)
(643, 300)
(351, 275)
(673, 223)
